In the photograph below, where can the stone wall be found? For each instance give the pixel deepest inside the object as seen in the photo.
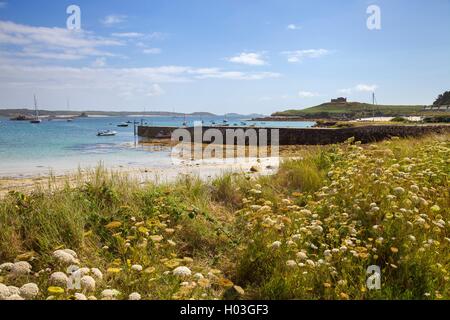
(313, 136)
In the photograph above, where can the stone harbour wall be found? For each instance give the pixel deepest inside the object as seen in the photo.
(310, 136)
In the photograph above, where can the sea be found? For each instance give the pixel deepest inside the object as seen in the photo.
(59, 147)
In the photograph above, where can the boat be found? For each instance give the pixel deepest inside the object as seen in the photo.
(106, 133)
(123, 125)
(36, 119)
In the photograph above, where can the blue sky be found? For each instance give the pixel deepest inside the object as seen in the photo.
(221, 56)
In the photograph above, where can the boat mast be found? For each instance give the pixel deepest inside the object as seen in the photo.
(36, 113)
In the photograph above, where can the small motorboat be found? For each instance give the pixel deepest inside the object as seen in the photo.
(123, 125)
(106, 133)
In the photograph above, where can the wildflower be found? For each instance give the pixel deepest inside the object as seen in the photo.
(343, 248)
(296, 237)
(327, 285)
(6, 266)
(239, 290)
(92, 298)
(55, 290)
(80, 296)
(113, 270)
(29, 291)
(182, 272)
(4, 292)
(172, 243)
(291, 264)
(109, 294)
(198, 276)
(87, 283)
(20, 268)
(137, 267)
(412, 238)
(59, 279)
(71, 252)
(275, 245)
(15, 297)
(13, 290)
(399, 191)
(414, 188)
(204, 283)
(134, 296)
(394, 249)
(65, 257)
(156, 238)
(310, 263)
(113, 225)
(225, 283)
(97, 273)
(344, 296)
(435, 208)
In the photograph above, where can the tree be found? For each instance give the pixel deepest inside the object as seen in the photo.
(442, 99)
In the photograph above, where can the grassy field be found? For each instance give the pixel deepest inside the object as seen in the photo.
(308, 232)
(353, 109)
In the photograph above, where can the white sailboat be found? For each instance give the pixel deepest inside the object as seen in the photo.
(36, 112)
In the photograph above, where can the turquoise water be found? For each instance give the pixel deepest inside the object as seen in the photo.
(30, 149)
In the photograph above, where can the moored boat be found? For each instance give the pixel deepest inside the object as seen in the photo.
(106, 133)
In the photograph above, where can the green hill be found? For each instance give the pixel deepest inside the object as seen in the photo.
(351, 110)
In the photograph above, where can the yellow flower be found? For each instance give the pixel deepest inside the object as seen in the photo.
(394, 249)
(150, 270)
(204, 283)
(143, 230)
(55, 290)
(113, 225)
(327, 285)
(173, 263)
(344, 296)
(114, 270)
(225, 283)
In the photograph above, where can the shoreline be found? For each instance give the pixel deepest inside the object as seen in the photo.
(204, 170)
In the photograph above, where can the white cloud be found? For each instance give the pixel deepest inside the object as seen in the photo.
(366, 87)
(300, 55)
(307, 94)
(253, 59)
(117, 81)
(293, 27)
(152, 51)
(3, 4)
(52, 43)
(113, 19)
(99, 63)
(155, 90)
(359, 88)
(128, 34)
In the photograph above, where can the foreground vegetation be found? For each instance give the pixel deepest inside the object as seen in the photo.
(308, 232)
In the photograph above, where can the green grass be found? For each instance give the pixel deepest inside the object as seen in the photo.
(353, 109)
(308, 232)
